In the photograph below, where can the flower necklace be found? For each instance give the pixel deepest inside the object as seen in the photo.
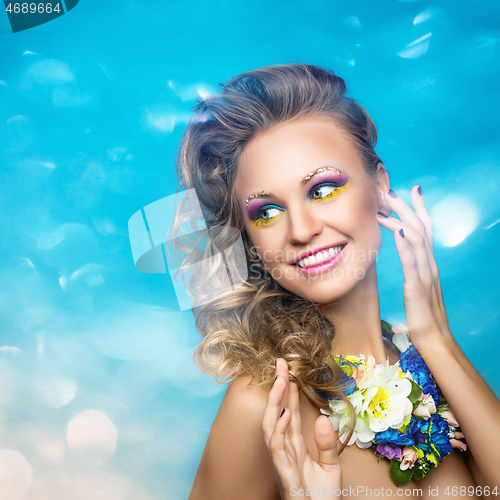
(401, 414)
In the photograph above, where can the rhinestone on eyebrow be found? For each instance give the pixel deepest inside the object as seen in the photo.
(255, 195)
(322, 169)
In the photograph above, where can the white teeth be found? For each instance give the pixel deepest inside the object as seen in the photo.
(320, 257)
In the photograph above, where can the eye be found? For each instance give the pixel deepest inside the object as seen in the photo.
(323, 191)
(265, 214)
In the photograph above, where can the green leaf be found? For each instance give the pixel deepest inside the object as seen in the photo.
(399, 477)
(416, 391)
(387, 327)
(419, 473)
(442, 406)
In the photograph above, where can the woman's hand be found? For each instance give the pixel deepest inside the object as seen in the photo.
(294, 467)
(426, 316)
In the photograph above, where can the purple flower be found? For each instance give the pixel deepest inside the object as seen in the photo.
(389, 451)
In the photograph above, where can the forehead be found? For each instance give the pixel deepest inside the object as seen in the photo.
(290, 150)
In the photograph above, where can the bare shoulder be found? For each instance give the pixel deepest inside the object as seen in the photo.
(235, 463)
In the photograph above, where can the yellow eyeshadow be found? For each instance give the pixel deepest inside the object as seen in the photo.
(264, 222)
(335, 192)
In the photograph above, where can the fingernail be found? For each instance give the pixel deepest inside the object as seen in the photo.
(402, 233)
(275, 379)
(382, 215)
(392, 193)
(282, 411)
(420, 190)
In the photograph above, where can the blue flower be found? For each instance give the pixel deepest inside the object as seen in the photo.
(413, 436)
(349, 387)
(412, 361)
(393, 436)
(326, 376)
(440, 442)
(348, 383)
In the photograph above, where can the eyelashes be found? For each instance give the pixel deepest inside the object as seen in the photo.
(263, 215)
(320, 192)
(329, 188)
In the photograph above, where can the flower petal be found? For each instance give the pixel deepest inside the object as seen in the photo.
(401, 341)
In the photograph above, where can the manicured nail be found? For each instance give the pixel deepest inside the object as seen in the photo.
(420, 190)
(382, 215)
(402, 233)
(282, 411)
(392, 193)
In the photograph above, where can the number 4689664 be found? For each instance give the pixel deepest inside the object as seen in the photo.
(32, 8)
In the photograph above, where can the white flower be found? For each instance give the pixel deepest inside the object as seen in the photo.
(385, 399)
(362, 434)
(380, 401)
(401, 341)
(401, 337)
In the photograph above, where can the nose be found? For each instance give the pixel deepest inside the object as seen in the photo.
(302, 225)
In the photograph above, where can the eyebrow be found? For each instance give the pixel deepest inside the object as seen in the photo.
(306, 178)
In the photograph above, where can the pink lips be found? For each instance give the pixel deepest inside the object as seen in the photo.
(323, 266)
(308, 253)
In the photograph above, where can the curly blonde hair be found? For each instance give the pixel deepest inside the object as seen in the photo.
(246, 329)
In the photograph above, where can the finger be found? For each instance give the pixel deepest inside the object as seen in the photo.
(421, 210)
(408, 261)
(282, 370)
(404, 212)
(417, 248)
(418, 219)
(295, 429)
(326, 442)
(417, 201)
(276, 399)
(273, 407)
(421, 253)
(424, 253)
(276, 445)
(414, 291)
(424, 256)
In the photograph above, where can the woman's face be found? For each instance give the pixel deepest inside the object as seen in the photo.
(332, 214)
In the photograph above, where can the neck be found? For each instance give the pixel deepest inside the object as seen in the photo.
(356, 317)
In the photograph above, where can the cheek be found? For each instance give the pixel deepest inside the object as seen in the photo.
(358, 217)
(267, 249)
(361, 224)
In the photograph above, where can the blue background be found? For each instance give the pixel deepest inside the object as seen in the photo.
(98, 391)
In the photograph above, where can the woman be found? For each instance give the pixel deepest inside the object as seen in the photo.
(286, 158)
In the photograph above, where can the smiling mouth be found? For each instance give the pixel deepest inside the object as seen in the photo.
(320, 257)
